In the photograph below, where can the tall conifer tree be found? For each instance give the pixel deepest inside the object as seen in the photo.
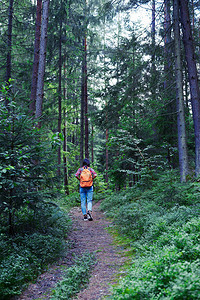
(36, 57)
(193, 77)
(42, 60)
(182, 141)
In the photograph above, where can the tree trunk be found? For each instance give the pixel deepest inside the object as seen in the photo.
(82, 114)
(9, 40)
(66, 182)
(169, 88)
(42, 61)
(86, 101)
(182, 140)
(60, 96)
(193, 79)
(199, 37)
(9, 45)
(106, 155)
(92, 146)
(153, 49)
(168, 41)
(36, 57)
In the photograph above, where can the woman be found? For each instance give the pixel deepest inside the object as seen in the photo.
(86, 175)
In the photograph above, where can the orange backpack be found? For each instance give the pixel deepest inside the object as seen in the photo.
(86, 178)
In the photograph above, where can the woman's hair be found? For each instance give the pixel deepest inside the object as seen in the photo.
(86, 162)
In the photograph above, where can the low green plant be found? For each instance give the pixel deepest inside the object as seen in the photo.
(167, 272)
(15, 271)
(75, 278)
(24, 255)
(164, 228)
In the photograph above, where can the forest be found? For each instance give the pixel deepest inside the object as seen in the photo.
(117, 82)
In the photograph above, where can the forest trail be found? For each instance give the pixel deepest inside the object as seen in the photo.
(86, 236)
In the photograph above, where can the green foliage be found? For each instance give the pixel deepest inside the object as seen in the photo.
(25, 161)
(68, 201)
(169, 272)
(15, 271)
(40, 241)
(164, 227)
(75, 278)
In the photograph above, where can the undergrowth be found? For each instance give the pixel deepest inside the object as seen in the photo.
(40, 240)
(163, 227)
(75, 278)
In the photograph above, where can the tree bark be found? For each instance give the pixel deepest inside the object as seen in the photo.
(168, 41)
(36, 57)
(86, 101)
(106, 155)
(193, 79)
(9, 40)
(42, 61)
(92, 145)
(182, 140)
(66, 182)
(153, 48)
(82, 114)
(9, 45)
(60, 95)
(169, 88)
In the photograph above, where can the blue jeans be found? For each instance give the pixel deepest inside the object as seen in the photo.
(86, 194)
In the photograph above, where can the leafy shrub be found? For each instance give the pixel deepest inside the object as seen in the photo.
(24, 256)
(133, 218)
(167, 272)
(168, 221)
(73, 199)
(75, 278)
(164, 226)
(45, 247)
(161, 277)
(168, 191)
(115, 201)
(15, 271)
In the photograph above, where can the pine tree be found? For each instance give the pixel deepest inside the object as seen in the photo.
(182, 140)
(36, 57)
(42, 61)
(193, 77)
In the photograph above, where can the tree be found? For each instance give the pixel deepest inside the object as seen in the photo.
(153, 49)
(36, 57)
(169, 87)
(60, 89)
(182, 141)
(193, 77)
(9, 40)
(9, 43)
(42, 60)
(20, 177)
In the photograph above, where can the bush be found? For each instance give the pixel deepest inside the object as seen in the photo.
(15, 271)
(166, 272)
(25, 255)
(75, 278)
(164, 226)
(161, 277)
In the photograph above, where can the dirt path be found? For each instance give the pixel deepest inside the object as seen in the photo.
(86, 236)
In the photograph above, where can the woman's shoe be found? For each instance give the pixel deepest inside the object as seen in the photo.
(89, 215)
(85, 218)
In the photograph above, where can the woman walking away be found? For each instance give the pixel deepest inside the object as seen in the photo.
(86, 175)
